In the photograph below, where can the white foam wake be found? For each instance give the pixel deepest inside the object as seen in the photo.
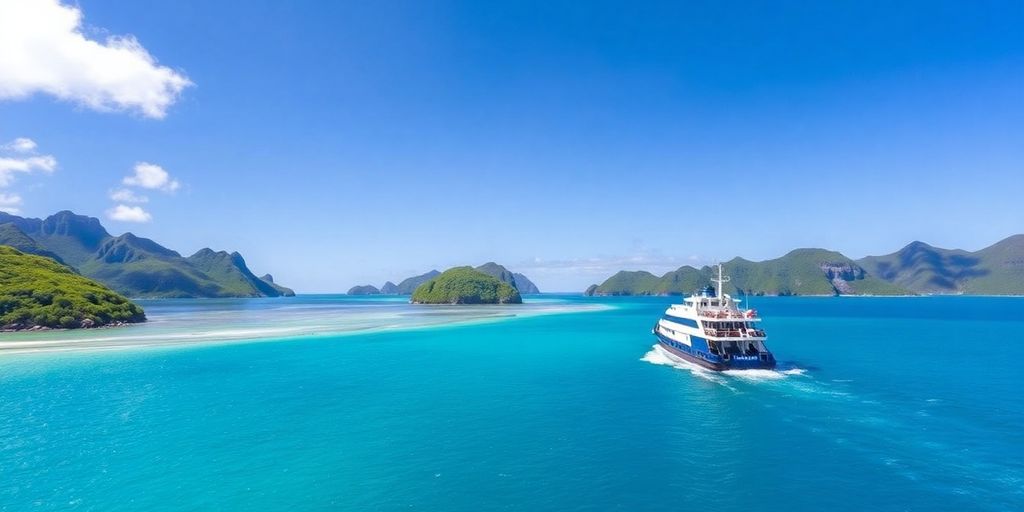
(755, 375)
(660, 356)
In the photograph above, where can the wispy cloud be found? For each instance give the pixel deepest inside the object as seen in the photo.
(20, 145)
(124, 195)
(22, 164)
(45, 51)
(10, 203)
(125, 213)
(10, 166)
(151, 176)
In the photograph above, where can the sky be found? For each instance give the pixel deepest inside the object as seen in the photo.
(343, 143)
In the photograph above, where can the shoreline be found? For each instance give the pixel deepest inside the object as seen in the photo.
(43, 328)
(254, 335)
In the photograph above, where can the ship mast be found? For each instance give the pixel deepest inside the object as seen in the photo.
(721, 279)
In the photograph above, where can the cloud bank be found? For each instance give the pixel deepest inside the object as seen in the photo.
(45, 51)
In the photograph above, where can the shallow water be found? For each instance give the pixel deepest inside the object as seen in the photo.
(881, 404)
(205, 321)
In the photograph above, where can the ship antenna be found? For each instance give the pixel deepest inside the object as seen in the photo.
(721, 279)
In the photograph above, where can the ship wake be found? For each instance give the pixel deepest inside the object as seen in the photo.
(659, 356)
(662, 357)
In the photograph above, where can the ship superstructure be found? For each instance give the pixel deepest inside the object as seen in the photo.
(710, 329)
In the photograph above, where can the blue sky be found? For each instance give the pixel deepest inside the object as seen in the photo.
(340, 143)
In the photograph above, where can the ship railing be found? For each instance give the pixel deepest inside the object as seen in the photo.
(729, 314)
(721, 314)
(734, 333)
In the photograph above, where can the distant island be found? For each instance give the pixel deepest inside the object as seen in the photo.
(916, 269)
(37, 292)
(514, 279)
(407, 286)
(363, 290)
(921, 268)
(465, 285)
(132, 265)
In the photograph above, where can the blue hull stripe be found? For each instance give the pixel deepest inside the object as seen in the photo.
(708, 360)
(681, 321)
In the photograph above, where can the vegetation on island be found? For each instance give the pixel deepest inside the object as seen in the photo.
(628, 282)
(282, 291)
(806, 272)
(800, 272)
(38, 292)
(407, 286)
(366, 289)
(995, 270)
(918, 268)
(465, 285)
(11, 236)
(132, 265)
(514, 279)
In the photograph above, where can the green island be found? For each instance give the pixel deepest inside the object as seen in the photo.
(800, 272)
(995, 270)
(36, 292)
(405, 287)
(465, 285)
(918, 268)
(365, 289)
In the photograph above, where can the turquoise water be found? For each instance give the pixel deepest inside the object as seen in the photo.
(885, 404)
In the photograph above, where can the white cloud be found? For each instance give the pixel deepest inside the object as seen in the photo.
(46, 51)
(10, 203)
(147, 176)
(10, 166)
(20, 145)
(151, 176)
(124, 195)
(125, 213)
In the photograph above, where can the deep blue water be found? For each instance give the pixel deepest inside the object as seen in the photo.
(895, 404)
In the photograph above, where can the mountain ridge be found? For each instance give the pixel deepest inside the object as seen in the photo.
(917, 268)
(132, 265)
(994, 270)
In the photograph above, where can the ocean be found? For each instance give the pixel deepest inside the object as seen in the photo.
(564, 404)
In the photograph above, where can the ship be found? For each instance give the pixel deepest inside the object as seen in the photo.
(710, 329)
